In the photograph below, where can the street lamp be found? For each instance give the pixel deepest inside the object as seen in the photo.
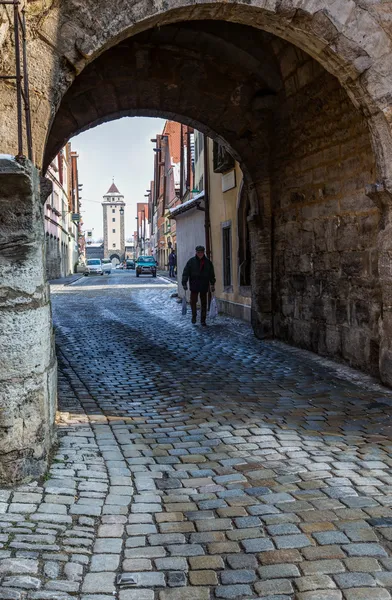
(121, 211)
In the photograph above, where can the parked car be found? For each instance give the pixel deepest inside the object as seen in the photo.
(107, 265)
(94, 267)
(120, 266)
(146, 265)
(130, 264)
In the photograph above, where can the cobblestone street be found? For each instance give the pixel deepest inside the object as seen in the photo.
(199, 463)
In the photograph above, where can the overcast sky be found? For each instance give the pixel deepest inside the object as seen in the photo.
(119, 149)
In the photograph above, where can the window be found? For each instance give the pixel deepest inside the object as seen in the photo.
(226, 247)
(113, 210)
(114, 219)
(113, 230)
(114, 245)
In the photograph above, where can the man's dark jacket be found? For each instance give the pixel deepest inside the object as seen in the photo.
(200, 279)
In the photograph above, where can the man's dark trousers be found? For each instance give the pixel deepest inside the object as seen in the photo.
(203, 302)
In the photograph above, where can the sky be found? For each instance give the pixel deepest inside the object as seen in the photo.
(119, 149)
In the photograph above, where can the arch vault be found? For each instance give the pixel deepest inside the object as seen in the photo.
(299, 91)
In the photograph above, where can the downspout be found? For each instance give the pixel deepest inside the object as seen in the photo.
(182, 164)
(207, 224)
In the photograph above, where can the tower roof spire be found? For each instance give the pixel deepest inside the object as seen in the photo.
(113, 189)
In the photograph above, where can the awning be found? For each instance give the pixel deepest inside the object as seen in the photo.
(196, 202)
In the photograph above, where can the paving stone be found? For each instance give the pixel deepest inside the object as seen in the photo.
(18, 566)
(108, 546)
(99, 582)
(176, 579)
(320, 595)
(233, 591)
(318, 552)
(184, 593)
(204, 577)
(237, 576)
(364, 550)
(292, 541)
(278, 571)
(315, 582)
(351, 580)
(51, 569)
(148, 579)
(73, 571)
(110, 531)
(137, 564)
(322, 567)
(185, 550)
(367, 594)
(171, 564)
(136, 594)
(331, 537)
(104, 562)
(280, 556)
(62, 586)
(365, 565)
(241, 561)
(274, 586)
(206, 562)
(26, 582)
(257, 545)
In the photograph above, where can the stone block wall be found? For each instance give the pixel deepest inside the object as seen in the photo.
(28, 363)
(53, 258)
(325, 262)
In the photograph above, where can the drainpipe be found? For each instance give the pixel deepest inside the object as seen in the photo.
(207, 225)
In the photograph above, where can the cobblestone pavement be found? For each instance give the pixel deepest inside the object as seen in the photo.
(199, 464)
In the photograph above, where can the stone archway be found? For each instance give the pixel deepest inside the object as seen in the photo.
(115, 257)
(249, 75)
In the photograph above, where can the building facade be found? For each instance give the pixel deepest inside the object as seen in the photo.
(229, 232)
(164, 191)
(113, 206)
(62, 215)
(143, 227)
(214, 213)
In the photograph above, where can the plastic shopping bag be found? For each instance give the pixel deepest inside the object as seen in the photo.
(213, 309)
(184, 306)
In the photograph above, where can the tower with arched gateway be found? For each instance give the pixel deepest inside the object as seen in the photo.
(113, 224)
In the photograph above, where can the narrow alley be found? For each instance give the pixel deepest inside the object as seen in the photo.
(199, 463)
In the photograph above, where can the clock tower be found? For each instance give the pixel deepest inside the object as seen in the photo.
(113, 224)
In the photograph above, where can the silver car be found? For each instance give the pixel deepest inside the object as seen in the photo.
(94, 267)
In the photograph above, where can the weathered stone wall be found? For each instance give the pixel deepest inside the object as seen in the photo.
(53, 258)
(326, 292)
(28, 364)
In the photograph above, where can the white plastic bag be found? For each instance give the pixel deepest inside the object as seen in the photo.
(184, 306)
(213, 313)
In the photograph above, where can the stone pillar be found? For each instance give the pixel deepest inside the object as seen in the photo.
(259, 222)
(28, 363)
(381, 194)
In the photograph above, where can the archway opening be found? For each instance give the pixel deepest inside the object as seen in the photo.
(305, 152)
(267, 85)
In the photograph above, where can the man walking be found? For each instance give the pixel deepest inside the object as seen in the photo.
(172, 263)
(200, 272)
